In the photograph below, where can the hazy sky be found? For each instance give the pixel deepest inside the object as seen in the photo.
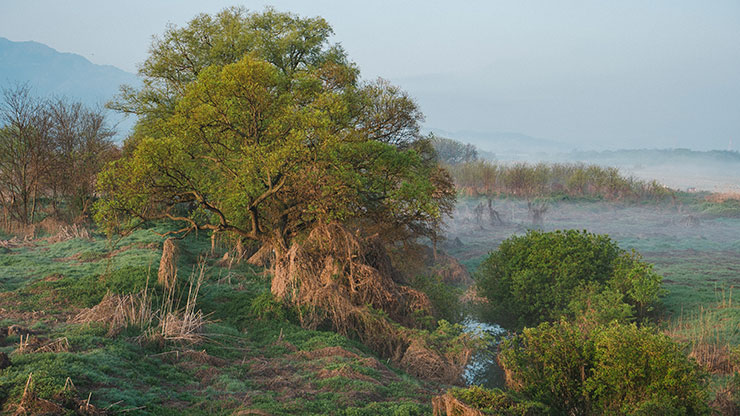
(659, 73)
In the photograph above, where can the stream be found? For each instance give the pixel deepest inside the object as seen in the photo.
(483, 370)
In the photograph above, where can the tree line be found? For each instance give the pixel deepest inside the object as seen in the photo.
(50, 153)
(525, 180)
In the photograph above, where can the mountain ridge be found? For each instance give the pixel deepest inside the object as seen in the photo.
(52, 73)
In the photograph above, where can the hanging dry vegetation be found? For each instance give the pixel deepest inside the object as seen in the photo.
(336, 277)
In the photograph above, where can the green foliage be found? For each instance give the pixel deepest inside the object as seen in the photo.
(266, 307)
(549, 364)
(729, 208)
(595, 305)
(87, 291)
(637, 371)
(542, 276)
(264, 130)
(498, 402)
(404, 408)
(452, 152)
(445, 298)
(613, 369)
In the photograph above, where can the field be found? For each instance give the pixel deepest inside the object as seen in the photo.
(253, 358)
(695, 250)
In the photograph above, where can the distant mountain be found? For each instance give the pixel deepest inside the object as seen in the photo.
(50, 72)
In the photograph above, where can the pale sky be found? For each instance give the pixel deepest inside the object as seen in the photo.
(604, 74)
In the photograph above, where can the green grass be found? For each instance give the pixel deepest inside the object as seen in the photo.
(252, 340)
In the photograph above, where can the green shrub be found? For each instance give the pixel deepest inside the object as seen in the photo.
(594, 305)
(636, 369)
(610, 369)
(445, 298)
(537, 277)
(726, 209)
(265, 306)
(499, 402)
(548, 364)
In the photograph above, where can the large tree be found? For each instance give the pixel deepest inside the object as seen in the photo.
(254, 124)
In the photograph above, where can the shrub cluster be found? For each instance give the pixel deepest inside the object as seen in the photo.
(480, 177)
(543, 276)
(606, 370)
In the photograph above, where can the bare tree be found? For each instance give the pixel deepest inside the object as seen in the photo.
(23, 152)
(49, 149)
(82, 144)
(537, 211)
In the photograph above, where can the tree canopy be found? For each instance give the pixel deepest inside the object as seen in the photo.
(254, 124)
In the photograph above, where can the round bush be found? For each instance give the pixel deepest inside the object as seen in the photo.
(543, 276)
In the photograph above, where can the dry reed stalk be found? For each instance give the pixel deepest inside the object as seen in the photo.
(69, 232)
(172, 323)
(184, 325)
(120, 312)
(720, 197)
(30, 345)
(703, 333)
(168, 264)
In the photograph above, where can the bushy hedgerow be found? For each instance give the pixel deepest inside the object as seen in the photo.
(543, 276)
(606, 370)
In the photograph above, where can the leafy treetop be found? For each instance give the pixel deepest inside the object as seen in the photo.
(253, 124)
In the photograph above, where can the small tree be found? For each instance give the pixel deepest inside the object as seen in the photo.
(253, 125)
(538, 276)
(24, 152)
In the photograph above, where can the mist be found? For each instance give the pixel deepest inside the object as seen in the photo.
(580, 75)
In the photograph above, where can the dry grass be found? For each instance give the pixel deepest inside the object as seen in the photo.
(62, 403)
(120, 312)
(337, 277)
(447, 405)
(30, 345)
(56, 230)
(169, 322)
(720, 197)
(167, 274)
(704, 334)
(724, 402)
(184, 324)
